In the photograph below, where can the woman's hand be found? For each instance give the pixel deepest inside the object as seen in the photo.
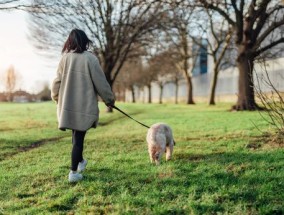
(110, 104)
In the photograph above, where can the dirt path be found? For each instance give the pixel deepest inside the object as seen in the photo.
(32, 146)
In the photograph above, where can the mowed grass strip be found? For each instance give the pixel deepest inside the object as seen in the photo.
(212, 171)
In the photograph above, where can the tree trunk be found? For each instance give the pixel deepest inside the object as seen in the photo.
(143, 91)
(189, 91)
(133, 94)
(213, 86)
(176, 92)
(149, 94)
(161, 94)
(246, 99)
(124, 95)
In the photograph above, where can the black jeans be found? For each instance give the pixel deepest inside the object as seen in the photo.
(77, 150)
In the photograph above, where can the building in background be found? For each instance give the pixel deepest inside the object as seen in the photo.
(201, 59)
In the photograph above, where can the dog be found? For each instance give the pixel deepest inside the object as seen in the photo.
(160, 139)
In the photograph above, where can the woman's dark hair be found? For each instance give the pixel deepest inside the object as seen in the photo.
(77, 41)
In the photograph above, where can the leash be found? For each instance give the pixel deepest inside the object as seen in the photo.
(129, 116)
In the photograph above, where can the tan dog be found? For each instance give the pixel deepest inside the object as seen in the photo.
(160, 139)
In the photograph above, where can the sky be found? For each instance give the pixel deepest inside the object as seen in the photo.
(15, 49)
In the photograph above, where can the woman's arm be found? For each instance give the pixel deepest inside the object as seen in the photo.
(100, 82)
(56, 84)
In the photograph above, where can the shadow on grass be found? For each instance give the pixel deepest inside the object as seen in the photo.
(189, 184)
(66, 204)
(202, 183)
(228, 157)
(249, 179)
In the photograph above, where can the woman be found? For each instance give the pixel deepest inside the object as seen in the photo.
(79, 81)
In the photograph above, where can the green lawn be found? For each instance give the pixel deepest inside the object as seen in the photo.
(213, 170)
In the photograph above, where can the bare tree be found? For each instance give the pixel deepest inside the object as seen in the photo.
(175, 76)
(18, 5)
(11, 4)
(181, 19)
(254, 23)
(130, 75)
(147, 77)
(116, 27)
(271, 98)
(10, 78)
(165, 67)
(185, 65)
(217, 34)
(174, 73)
(217, 52)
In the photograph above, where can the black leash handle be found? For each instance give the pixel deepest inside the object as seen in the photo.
(129, 116)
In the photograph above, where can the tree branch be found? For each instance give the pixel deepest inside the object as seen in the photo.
(258, 52)
(219, 10)
(270, 29)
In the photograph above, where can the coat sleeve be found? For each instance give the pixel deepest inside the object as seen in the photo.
(100, 82)
(56, 84)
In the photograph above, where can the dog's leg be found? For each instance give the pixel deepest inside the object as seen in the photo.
(157, 158)
(159, 153)
(169, 152)
(152, 154)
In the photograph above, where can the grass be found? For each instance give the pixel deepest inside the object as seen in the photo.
(213, 170)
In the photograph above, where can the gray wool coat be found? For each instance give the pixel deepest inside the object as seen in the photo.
(79, 81)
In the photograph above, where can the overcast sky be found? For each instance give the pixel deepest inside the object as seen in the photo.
(17, 50)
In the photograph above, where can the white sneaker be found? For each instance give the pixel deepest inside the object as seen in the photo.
(74, 177)
(82, 165)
